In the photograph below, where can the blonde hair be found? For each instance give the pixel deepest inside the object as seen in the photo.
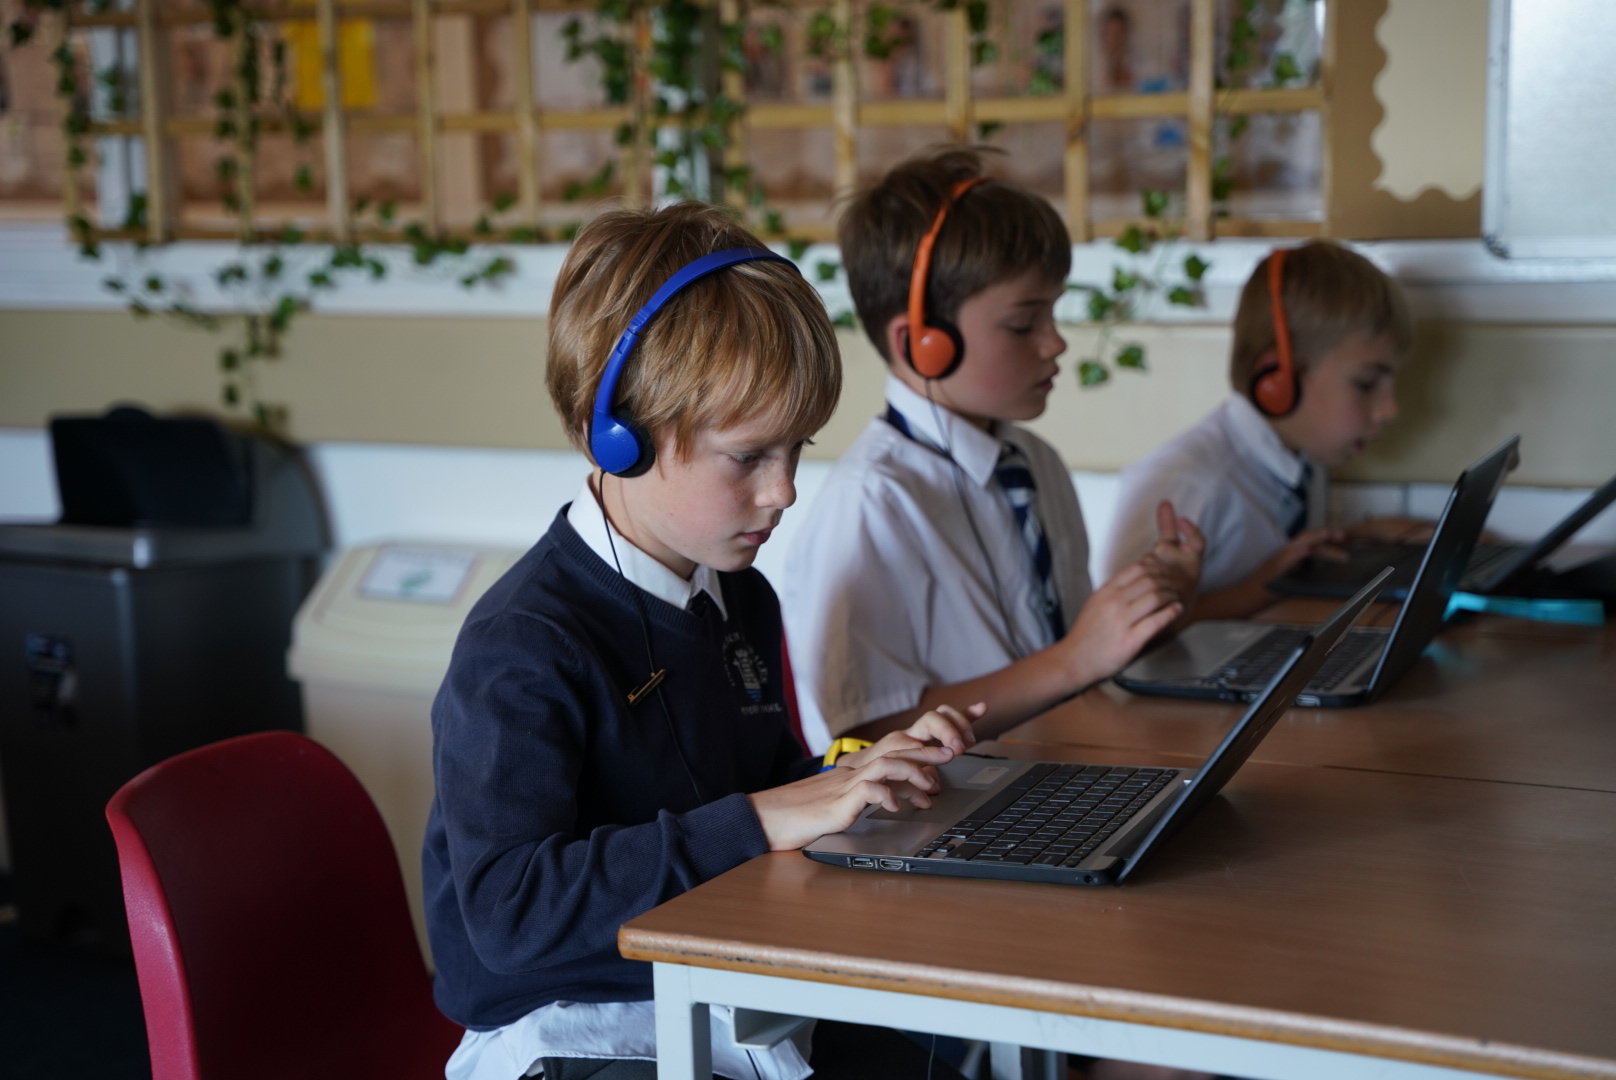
(996, 232)
(1329, 294)
(751, 340)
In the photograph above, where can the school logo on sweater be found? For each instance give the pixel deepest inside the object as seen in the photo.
(745, 667)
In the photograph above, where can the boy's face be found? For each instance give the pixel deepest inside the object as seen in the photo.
(714, 507)
(1348, 396)
(1010, 348)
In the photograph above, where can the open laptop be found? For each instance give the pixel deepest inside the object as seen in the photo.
(1229, 660)
(1066, 823)
(1494, 569)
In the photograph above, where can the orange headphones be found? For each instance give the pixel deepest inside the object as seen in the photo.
(1275, 388)
(933, 349)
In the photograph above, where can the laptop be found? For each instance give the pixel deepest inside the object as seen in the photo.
(1233, 660)
(1066, 823)
(1493, 570)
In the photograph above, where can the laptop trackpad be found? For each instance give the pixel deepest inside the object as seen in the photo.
(947, 805)
(1198, 652)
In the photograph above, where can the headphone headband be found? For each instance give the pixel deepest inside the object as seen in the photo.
(935, 350)
(618, 444)
(1275, 389)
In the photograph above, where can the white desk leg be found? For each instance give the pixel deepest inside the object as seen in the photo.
(1012, 1062)
(684, 1034)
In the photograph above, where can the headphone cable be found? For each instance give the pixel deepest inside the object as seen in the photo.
(970, 518)
(650, 659)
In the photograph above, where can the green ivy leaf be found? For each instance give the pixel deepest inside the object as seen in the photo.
(847, 320)
(231, 395)
(303, 180)
(826, 271)
(1195, 267)
(1132, 357)
(229, 359)
(387, 211)
(1092, 373)
(1135, 240)
(154, 283)
(1122, 281)
(503, 202)
(1154, 202)
(1100, 306)
(988, 129)
(796, 248)
(1285, 68)
(1183, 296)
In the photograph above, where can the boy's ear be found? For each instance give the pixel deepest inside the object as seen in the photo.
(897, 337)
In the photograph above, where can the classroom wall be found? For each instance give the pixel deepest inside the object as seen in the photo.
(479, 382)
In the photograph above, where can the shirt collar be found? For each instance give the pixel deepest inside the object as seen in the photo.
(976, 451)
(1257, 438)
(588, 521)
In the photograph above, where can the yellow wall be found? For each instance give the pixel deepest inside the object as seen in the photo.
(479, 382)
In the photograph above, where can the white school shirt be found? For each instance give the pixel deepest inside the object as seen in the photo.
(887, 590)
(1230, 474)
(619, 1029)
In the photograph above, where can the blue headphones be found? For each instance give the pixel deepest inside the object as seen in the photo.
(620, 446)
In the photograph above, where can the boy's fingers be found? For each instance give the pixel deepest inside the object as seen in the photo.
(1166, 521)
(1152, 625)
(1194, 539)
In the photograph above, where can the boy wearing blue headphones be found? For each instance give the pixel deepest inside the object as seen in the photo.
(1319, 339)
(614, 727)
(945, 561)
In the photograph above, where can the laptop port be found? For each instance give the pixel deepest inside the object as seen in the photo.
(891, 864)
(864, 862)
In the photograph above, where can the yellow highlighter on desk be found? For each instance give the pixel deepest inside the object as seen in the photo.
(841, 746)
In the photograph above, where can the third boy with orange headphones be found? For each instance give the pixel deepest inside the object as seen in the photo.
(1319, 338)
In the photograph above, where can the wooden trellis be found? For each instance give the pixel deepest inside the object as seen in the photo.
(1073, 107)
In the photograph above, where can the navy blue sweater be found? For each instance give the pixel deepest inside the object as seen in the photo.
(561, 810)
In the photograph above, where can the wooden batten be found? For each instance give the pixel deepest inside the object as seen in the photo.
(333, 132)
(957, 74)
(1075, 70)
(426, 120)
(1203, 59)
(527, 135)
(844, 98)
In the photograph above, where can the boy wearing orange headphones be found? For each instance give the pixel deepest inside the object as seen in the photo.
(1319, 337)
(945, 561)
(615, 727)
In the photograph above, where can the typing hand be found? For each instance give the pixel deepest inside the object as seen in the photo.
(1115, 623)
(943, 726)
(796, 814)
(1174, 560)
(1323, 543)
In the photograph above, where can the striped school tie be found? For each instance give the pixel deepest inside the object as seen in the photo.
(1300, 493)
(1014, 474)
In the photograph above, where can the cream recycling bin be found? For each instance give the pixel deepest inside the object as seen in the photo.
(370, 646)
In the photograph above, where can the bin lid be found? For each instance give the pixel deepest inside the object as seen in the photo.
(385, 616)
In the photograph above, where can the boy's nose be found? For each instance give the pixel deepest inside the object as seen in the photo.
(779, 491)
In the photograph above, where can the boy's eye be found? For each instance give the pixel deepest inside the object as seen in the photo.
(748, 458)
(1020, 329)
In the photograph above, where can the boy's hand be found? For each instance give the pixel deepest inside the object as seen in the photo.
(796, 814)
(1174, 560)
(1323, 543)
(1115, 623)
(944, 726)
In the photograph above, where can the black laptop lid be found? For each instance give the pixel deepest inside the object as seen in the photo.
(1527, 559)
(1259, 718)
(1443, 565)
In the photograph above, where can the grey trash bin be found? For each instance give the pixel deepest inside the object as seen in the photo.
(153, 619)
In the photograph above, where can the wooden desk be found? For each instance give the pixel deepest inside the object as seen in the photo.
(1493, 699)
(1309, 919)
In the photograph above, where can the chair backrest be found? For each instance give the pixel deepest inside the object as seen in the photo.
(267, 912)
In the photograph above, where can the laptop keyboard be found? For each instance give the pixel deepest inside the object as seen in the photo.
(1051, 815)
(1261, 661)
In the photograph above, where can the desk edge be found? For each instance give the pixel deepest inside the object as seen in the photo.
(1103, 1003)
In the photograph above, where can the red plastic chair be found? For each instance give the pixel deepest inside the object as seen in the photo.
(267, 911)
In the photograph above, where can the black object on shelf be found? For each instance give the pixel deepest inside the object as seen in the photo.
(152, 619)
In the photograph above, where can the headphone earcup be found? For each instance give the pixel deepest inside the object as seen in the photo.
(621, 447)
(937, 351)
(1273, 393)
